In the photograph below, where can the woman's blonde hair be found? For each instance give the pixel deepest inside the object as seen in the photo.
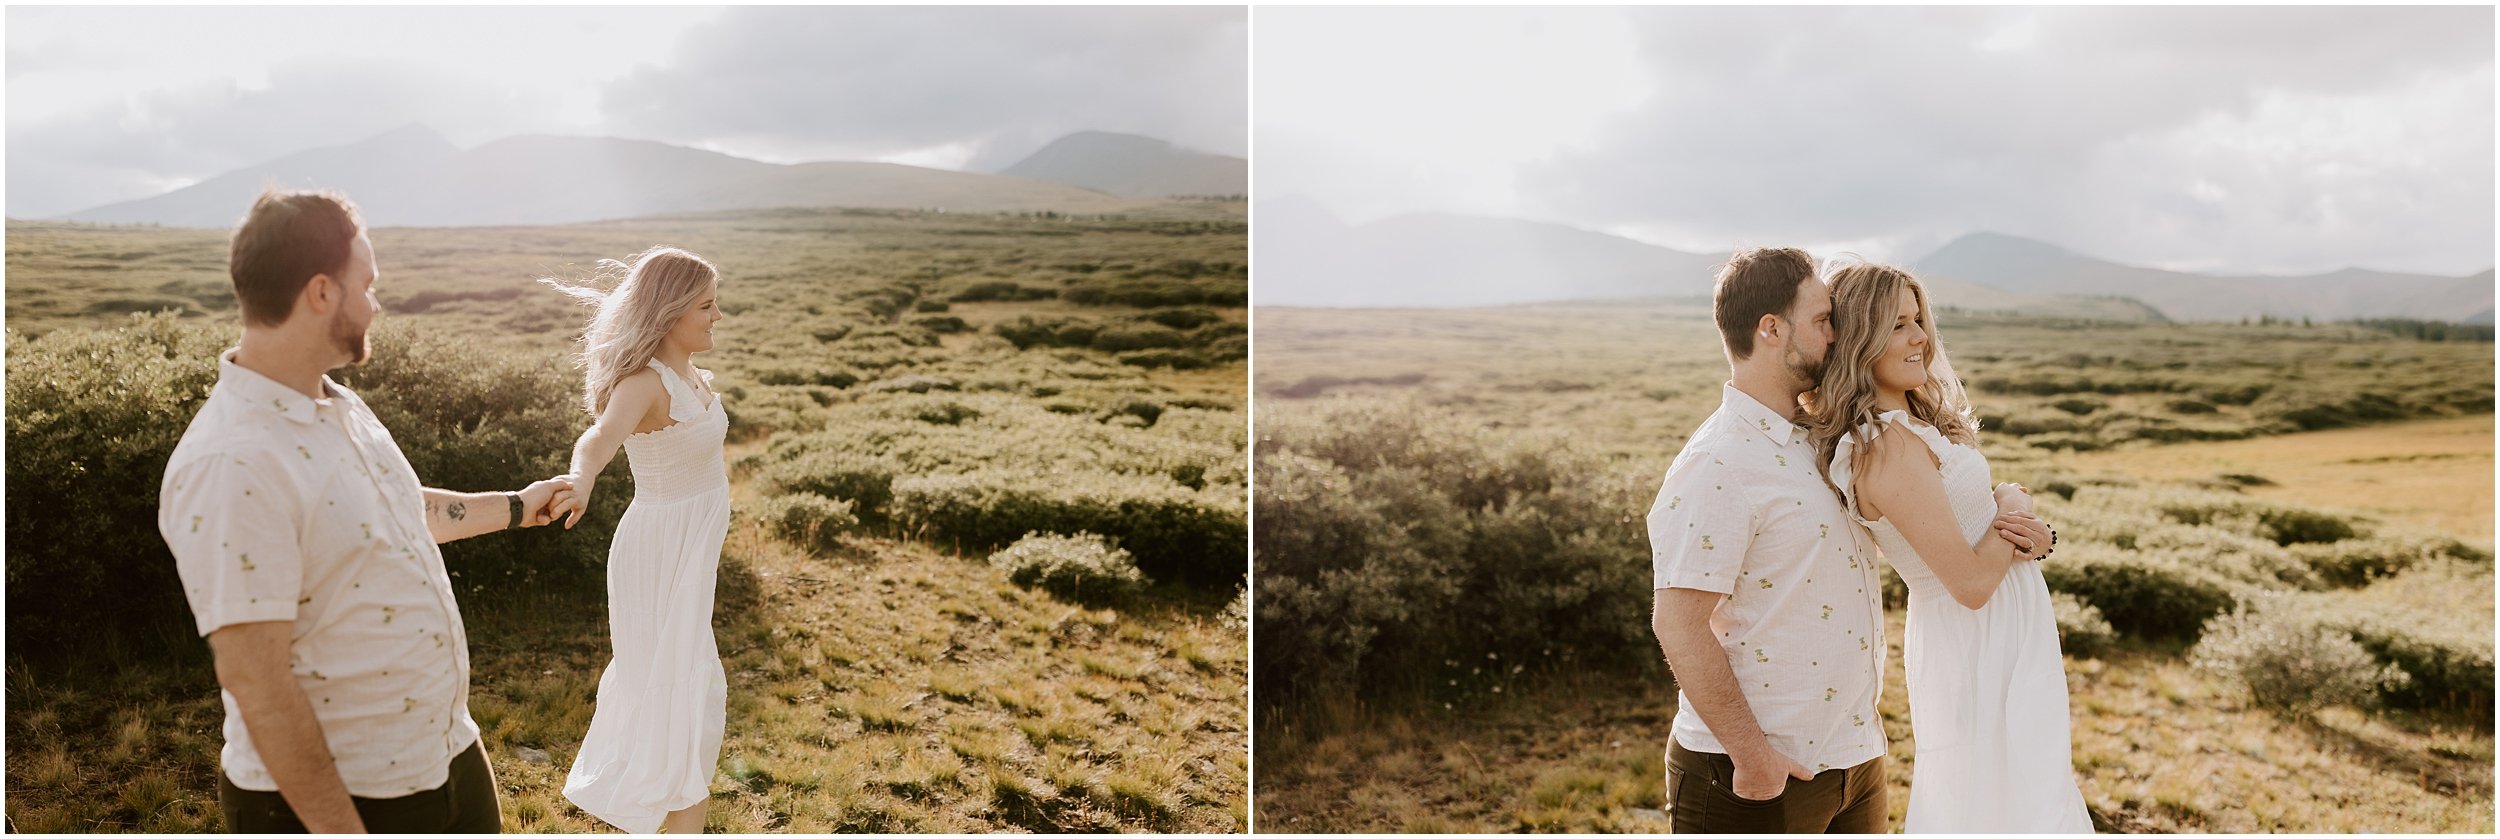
(661, 285)
(1865, 304)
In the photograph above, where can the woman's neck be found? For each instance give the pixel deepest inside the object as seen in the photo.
(676, 359)
(1892, 400)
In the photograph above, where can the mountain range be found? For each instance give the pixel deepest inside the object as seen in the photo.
(1305, 256)
(412, 176)
(1127, 164)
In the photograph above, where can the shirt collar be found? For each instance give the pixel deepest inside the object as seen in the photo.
(1759, 418)
(264, 393)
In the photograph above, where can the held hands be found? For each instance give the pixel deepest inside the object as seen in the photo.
(1765, 776)
(575, 504)
(540, 501)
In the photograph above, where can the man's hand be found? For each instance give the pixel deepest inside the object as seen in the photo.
(1764, 777)
(541, 501)
(2026, 532)
(252, 664)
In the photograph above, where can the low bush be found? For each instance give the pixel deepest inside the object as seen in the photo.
(809, 520)
(2154, 596)
(1191, 537)
(1083, 568)
(1393, 538)
(1189, 318)
(1001, 291)
(1138, 336)
(2287, 663)
(943, 325)
(2081, 630)
(866, 481)
(2356, 562)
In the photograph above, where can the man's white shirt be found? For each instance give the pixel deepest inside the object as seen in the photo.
(1744, 512)
(282, 507)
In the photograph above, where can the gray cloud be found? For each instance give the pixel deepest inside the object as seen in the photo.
(1001, 81)
(2252, 139)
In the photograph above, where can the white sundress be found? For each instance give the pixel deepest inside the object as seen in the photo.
(1988, 710)
(655, 736)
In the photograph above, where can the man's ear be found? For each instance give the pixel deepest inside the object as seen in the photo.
(320, 295)
(1764, 327)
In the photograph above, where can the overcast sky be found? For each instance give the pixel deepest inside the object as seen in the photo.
(108, 104)
(2231, 140)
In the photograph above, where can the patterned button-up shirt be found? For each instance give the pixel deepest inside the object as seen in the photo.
(1744, 513)
(282, 507)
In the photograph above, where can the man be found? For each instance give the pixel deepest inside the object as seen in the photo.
(307, 550)
(1768, 604)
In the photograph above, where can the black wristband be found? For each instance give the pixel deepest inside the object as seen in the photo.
(516, 510)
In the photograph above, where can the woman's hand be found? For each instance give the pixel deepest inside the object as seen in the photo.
(2030, 536)
(575, 505)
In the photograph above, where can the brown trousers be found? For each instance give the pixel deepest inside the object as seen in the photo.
(464, 804)
(1701, 798)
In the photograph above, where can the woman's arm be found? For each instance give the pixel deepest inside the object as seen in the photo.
(629, 406)
(1903, 485)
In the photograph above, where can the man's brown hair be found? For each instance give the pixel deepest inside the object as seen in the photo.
(1757, 282)
(288, 238)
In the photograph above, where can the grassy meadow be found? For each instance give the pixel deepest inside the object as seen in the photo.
(2345, 471)
(893, 379)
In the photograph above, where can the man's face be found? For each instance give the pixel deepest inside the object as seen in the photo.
(1810, 332)
(358, 309)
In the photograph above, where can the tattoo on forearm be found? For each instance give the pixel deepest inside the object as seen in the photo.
(429, 508)
(457, 510)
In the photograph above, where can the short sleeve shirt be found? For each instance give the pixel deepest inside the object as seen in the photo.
(281, 507)
(1745, 513)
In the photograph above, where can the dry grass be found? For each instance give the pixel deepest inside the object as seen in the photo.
(2431, 473)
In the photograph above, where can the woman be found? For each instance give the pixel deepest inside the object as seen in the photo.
(1895, 436)
(656, 733)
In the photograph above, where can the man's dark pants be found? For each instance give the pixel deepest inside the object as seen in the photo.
(464, 804)
(1701, 798)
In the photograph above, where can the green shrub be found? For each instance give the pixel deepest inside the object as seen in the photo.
(928, 306)
(2079, 407)
(1174, 359)
(866, 481)
(1176, 534)
(2287, 663)
(1027, 332)
(2355, 562)
(2191, 406)
(94, 415)
(1154, 292)
(2145, 595)
(1002, 291)
(1393, 538)
(943, 325)
(2080, 628)
(1139, 336)
(809, 520)
(1082, 568)
(1189, 318)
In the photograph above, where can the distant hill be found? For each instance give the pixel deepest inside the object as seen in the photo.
(1305, 256)
(413, 177)
(2016, 264)
(1127, 164)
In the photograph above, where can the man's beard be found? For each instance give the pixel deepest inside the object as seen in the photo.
(349, 339)
(1808, 374)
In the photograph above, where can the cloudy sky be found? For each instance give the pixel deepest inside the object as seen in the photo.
(108, 105)
(2229, 140)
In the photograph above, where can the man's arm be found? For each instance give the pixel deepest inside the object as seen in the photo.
(252, 664)
(1681, 620)
(453, 516)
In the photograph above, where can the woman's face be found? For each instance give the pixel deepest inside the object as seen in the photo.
(1903, 366)
(693, 330)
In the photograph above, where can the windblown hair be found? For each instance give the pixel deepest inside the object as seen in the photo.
(1865, 304)
(661, 285)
